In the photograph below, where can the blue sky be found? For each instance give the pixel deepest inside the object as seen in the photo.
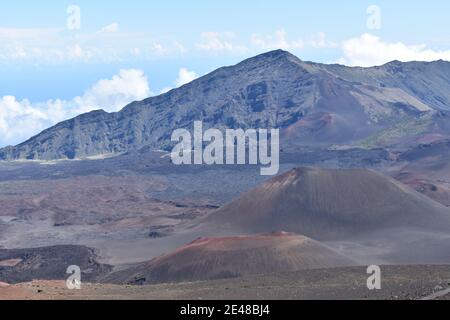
(46, 64)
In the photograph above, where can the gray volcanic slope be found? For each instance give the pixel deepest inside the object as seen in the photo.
(49, 263)
(314, 104)
(219, 258)
(331, 205)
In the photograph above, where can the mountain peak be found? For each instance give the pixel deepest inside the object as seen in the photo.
(362, 198)
(277, 53)
(273, 56)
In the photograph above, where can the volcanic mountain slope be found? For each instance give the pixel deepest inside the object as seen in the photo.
(231, 257)
(330, 205)
(426, 168)
(427, 81)
(314, 104)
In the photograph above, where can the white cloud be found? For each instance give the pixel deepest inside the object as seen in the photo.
(158, 49)
(111, 28)
(278, 40)
(226, 42)
(75, 52)
(20, 120)
(185, 76)
(178, 47)
(25, 44)
(320, 41)
(111, 44)
(27, 33)
(369, 50)
(56, 46)
(135, 51)
(113, 94)
(219, 42)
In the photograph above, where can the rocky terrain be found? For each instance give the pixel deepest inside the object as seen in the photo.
(399, 283)
(50, 263)
(426, 169)
(360, 214)
(313, 104)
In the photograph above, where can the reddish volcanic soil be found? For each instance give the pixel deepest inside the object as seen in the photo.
(231, 257)
(426, 169)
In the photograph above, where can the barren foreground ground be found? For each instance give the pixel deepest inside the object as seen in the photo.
(398, 282)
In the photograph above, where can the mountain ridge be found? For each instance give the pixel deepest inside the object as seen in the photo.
(316, 104)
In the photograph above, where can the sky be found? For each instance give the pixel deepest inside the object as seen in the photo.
(62, 58)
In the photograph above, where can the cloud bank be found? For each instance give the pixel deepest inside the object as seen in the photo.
(59, 46)
(19, 120)
(369, 50)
